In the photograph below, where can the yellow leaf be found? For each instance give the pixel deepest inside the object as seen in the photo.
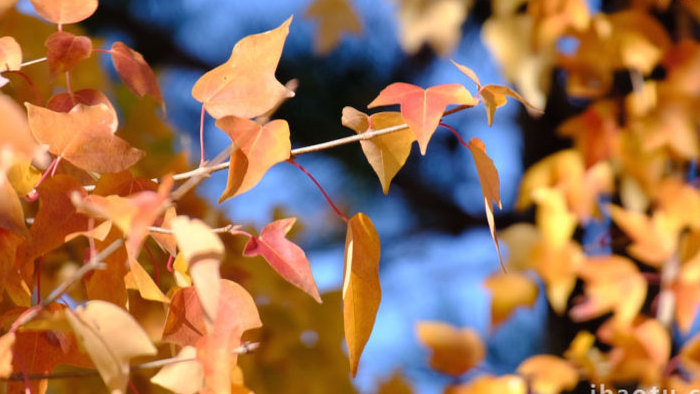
(335, 17)
(495, 96)
(508, 292)
(361, 290)
(453, 351)
(486, 384)
(434, 22)
(203, 251)
(385, 153)
(111, 337)
(182, 377)
(548, 374)
(6, 343)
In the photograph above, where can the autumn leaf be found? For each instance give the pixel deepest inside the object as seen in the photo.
(288, 259)
(335, 17)
(112, 338)
(6, 343)
(423, 109)
(84, 136)
(135, 72)
(10, 57)
(65, 50)
(361, 290)
(203, 251)
(612, 283)
(434, 22)
(654, 239)
(64, 11)
(548, 374)
(11, 211)
(15, 137)
(495, 96)
(385, 153)
(258, 149)
(506, 384)
(245, 86)
(509, 291)
(182, 377)
(453, 351)
(490, 187)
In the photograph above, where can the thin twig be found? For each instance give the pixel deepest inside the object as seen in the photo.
(94, 264)
(246, 348)
(220, 230)
(30, 62)
(667, 300)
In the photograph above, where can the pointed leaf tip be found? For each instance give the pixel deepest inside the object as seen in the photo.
(361, 290)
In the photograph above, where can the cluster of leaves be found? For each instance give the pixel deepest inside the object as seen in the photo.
(82, 208)
(639, 279)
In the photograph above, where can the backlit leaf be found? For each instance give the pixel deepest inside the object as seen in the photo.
(612, 283)
(64, 11)
(84, 136)
(11, 211)
(245, 86)
(15, 137)
(184, 377)
(361, 290)
(434, 22)
(335, 17)
(135, 72)
(423, 109)
(288, 259)
(6, 343)
(10, 55)
(203, 250)
(490, 186)
(548, 374)
(112, 338)
(385, 153)
(509, 291)
(495, 96)
(487, 384)
(65, 50)
(453, 351)
(258, 149)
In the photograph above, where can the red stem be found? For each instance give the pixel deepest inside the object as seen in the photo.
(156, 272)
(39, 264)
(54, 163)
(100, 50)
(459, 137)
(169, 265)
(68, 87)
(31, 85)
(201, 137)
(133, 388)
(318, 185)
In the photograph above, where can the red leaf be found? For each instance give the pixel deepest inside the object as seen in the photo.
(135, 72)
(288, 259)
(64, 50)
(423, 109)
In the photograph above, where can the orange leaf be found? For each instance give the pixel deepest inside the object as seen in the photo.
(112, 337)
(508, 292)
(259, 148)
(11, 211)
(335, 17)
(57, 217)
(245, 86)
(64, 11)
(469, 73)
(454, 351)
(135, 72)
(548, 374)
(184, 324)
(361, 290)
(487, 384)
(64, 102)
(15, 136)
(423, 109)
(6, 343)
(612, 283)
(65, 50)
(10, 56)
(203, 250)
(490, 186)
(84, 136)
(288, 259)
(653, 239)
(385, 153)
